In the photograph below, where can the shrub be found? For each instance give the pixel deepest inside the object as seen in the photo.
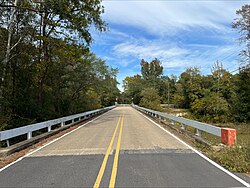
(150, 99)
(211, 108)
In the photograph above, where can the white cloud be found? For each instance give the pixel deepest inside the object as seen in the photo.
(173, 56)
(167, 17)
(149, 50)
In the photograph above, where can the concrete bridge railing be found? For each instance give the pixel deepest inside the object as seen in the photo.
(228, 136)
(29, 129)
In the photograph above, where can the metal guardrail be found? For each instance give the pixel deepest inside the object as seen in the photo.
(184, 122)
(8, 134)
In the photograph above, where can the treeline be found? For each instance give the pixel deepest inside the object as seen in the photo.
(217, 97)
(46, 69)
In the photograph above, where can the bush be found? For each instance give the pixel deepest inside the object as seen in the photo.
(211, 108)
(150, 99)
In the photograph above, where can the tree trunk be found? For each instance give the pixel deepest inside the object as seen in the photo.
(44, 61)
(8, 48)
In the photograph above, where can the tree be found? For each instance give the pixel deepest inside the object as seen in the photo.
(242, 104)
(52, 20)
(167, 88)
(242, 24)
(223, 84)
(15, 28)
(191, 81)
(50, 70)
(179, 99)
(150, 99)
(151, 72)
(133, 87)
(211, 108)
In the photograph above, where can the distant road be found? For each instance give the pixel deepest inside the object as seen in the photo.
(121, 148)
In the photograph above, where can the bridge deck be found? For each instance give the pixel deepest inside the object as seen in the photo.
(148, 157)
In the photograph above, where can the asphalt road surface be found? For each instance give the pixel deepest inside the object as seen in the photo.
(121, 148)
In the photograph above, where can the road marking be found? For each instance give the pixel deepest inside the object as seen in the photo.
(28, 154)
(199, 153)
(104, 163)
(115, 165)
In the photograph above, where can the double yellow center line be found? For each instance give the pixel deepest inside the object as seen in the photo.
(105, 160)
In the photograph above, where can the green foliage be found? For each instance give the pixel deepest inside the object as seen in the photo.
(152, 70)
(50, 71)
(189, 87)
(242, 102)
(211, 107)
(167, 88)
(151, 73)
(218, 97)
(150, 99)
(133, 87)
(211, 97)
(151, 78)
(179, 99)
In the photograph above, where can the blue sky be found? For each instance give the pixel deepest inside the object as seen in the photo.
(180, 33)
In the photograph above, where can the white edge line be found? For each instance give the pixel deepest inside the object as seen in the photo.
(199, 153)
(28, 154)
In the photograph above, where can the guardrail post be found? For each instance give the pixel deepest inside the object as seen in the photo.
(29, 135)
(172, 122)
(183, 126)
(8, 143)
(62, 123)
(198, 132)
(49, 128)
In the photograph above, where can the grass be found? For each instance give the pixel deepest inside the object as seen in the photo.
(234, 158)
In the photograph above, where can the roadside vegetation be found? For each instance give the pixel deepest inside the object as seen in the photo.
(235, 158)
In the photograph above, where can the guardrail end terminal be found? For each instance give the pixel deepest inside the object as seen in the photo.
(228, 136)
